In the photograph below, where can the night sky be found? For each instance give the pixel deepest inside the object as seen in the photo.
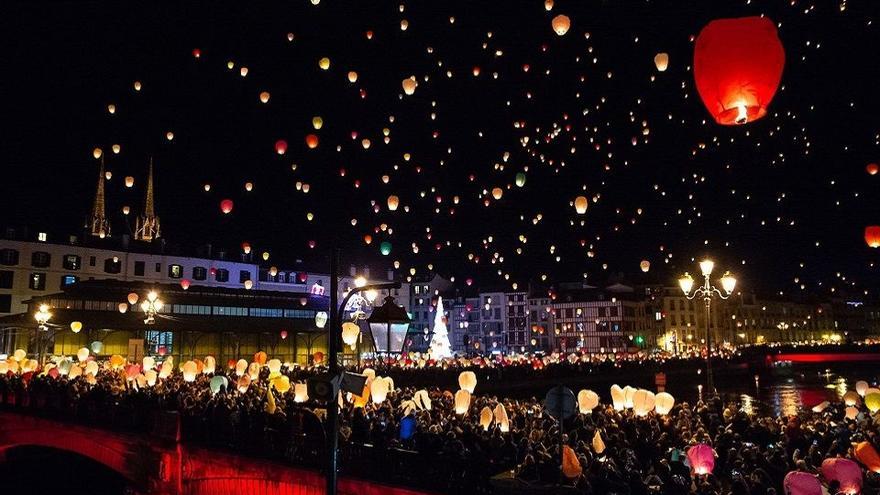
(782, 202)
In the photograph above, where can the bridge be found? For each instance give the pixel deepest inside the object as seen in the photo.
(157, 465)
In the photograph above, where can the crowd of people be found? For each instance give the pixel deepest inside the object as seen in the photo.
(419, 435)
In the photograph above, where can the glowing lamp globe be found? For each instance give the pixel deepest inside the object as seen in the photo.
(737, 67)
(728, 282)
(686, 283)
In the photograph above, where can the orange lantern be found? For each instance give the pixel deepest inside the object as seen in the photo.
(872, 168)
(260, 358)
(872, 236)
(580, 205)
(393, 202)
(737, 67)
(561, 24)
(312, 141)
(867, 455)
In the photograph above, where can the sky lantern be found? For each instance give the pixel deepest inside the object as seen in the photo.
(561, 24)
(580, 204)
(393, 202)
(317, 122)
(663, 403)
(467, 380)
(132, 298)
(226, 206)
(281, 146)
(264, 97)
(248, 186)
(409, 85)
(701, 458)
(129, 181)
(587, 401)
(548, 5)
(872, 168)
(520, 179)
(352, 76)
(497, 192)
(76, 326)
(246, 247)
(184, 284)
(197, 53)
(462, 402)
(845, 472)
(312, 141)
(737, 67)
(645, 265)
(867, 455)
(872, 236)
(368, 239)
(97, 152)
(385, 248)
(661, 61)
(324, 63)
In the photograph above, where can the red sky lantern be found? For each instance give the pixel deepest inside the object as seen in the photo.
(226, 206)
(303, 277)
(197, 53)
(872, 168)
(737, 67)
(283, 334)
(872, 236)
(246, 247)
(184, 284)
(281, 146)
(312, 141)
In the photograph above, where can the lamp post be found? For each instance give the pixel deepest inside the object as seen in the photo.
(43, 315)
(333, 336)
(385, 315)
(151, 306)
(708, 292)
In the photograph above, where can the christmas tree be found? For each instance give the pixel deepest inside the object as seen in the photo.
(440, 347)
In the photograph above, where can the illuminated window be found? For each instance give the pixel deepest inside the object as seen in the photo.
(42, 237)
(175, 271)
(37, 281)
(72, 262)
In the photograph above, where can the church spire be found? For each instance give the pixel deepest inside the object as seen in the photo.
(98, 225)
(147, 227)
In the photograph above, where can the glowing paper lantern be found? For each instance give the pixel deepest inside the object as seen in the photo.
(872, 236)
(324, 63)
(501, 418)
(350, 333)
(123, 308)
(872, 402)
(260, 357)
(462, 402)
(597, 443)
(184, 284)
(352, 77)
(422, 400)
(385, 248)
(312, 141)
(253, 371)
(217, 382)
(663, 403)
(76, 326)
(248, 284)
(661, 61)
(872, 169)
(628, 394)
(520, 179)
(561, 24)
(226, 206)
(861, 387)
(132, 298)
(317, 122)
(701, 458)
(467, 380)
(243, 383)
(587, 401)
(97, 347)
(643, 402)
(409, 85)
(571, 466)
(379, 390)
(281, 146)
(241, 367)
(851, 412)
(486, 418)
(818, 408)
(851, 398)
(190, 368)
(82, 354)
(92, 368)
(737, 67)
(274, 366)
(64, 366)
(151, 377)
(116, 361)
(846, 472)
(580, 205)
(393, 202)
(129, 181)
(801, 483)
(645, 265)
(282, 385)
(617, 397)
(300, 392)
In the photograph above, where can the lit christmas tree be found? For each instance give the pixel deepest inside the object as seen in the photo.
(440, 347)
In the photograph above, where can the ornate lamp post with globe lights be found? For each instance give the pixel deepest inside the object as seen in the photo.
(708, 292)
(151, 306)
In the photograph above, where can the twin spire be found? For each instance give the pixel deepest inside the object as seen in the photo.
(147, 225)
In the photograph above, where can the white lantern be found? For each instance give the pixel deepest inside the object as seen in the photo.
(820, 407)
(300, 392)
(254, 371)
(643, 402)
(852, 412)
(82, 354)
(486, 418)
(350, 334)
(422, 400)
(587, 401)
(92, 368)
(321, 319)
(240, 367)
(467, 380)
(862, 387)
(663, 403)
(462, 401)
(618, 397)
(151, 377)
(851, 398)
(210, 365)
(75, 371)
(148, 363)
(274, 366)
(628, 393)
(378, 390)
(167, 368)
(501, 418)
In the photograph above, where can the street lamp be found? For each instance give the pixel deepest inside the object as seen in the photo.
(151, 306)
(42, 316)
(390, 321)
(707, 291)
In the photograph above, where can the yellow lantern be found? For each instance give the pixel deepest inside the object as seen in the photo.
(324, 63)
(872, 402)
(561, 24)
(274, 367)
(462, 402)
(393, 202)
(264, 97)
(467, 380)
(663, 403)
(645, 265)
(190, 368)
(501, 418)
(486, 418)
(352, 76)
(580, 204)
(282, 385)
(82, 354)
(116, 361)
(587, 401)
(661, 60)
(317, 122)
(409, 85)
(76, 326)
(350, 334)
